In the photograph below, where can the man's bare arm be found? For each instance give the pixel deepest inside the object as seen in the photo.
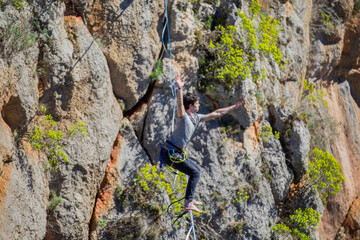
(222, 111)
(179, 96)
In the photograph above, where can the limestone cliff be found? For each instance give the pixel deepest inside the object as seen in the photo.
(94, 62)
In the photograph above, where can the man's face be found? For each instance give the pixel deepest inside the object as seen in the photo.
(194, 108)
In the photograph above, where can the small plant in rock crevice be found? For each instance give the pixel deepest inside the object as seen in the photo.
(241, 196)
(266, 132)
(102, 223)
(322, 128)
(46, 137)
(315, 97)
(157, 72)
(55, 201)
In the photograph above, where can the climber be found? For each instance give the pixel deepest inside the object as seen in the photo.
(172, 152)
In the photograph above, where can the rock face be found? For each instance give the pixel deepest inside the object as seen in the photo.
(130, 34)
(83, 60)
(82, 92)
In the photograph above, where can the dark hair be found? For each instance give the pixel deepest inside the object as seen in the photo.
(190, 98)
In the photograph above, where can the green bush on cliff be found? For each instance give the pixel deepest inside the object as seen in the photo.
(299, 224)
(17, 4)
(313, 95)
(47, 137)
(232, 53)
(17, 35)
(266, 132)
(151, 179)
(325, 174)
(146, 191)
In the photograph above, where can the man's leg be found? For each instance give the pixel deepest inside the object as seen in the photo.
(189, 168)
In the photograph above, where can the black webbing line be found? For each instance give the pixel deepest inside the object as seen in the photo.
(182, 214)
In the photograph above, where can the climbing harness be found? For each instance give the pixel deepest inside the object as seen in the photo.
(176, 154)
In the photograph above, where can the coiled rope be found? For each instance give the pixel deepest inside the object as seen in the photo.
(173, 91)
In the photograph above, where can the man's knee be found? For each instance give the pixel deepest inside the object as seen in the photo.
(196, 173)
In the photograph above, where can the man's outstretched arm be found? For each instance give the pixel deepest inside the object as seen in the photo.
(222, 111)
(179, 96)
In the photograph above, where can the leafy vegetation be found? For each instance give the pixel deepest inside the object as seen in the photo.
(17, 4)
(55, 201)
(102, 223)
(266, 132)
(325, 174)
(148, 186)
(17, 36)
(233, 50)
(47, 137)
(241, 195)
(322, 128)
(324, 21)
(157, 72)
(299, 224)
(315, 97)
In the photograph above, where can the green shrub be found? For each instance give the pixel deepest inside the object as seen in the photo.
(17, 36)
(148, 189)
(54, 203)
(46, 136)
(324, 20)
(150, 177)
(231, 54)
(241, 195)
(299, 224)
(17, 4)
(102, 223)
(315, 97)
(266, 132)
(208, 22)
(325, 174)
(157, 72)
(255, 8)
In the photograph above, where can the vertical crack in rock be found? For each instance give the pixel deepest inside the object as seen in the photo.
(349, 226)
(144, 100)
(132, 113)
(107, 187)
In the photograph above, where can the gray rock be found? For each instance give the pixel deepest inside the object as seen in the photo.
(23, 197)
(279, 116)
(19, 54)
(158, 122)
(298, 147)
(79, 88)
(275, 168)
(131, 44)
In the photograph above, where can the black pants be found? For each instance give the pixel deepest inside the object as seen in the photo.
(187, 167)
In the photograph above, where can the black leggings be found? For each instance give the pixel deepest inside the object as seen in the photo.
(189, 168)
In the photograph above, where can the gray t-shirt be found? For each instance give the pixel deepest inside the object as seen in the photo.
(184, 129)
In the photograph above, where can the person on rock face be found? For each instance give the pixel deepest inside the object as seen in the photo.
(186, 123)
